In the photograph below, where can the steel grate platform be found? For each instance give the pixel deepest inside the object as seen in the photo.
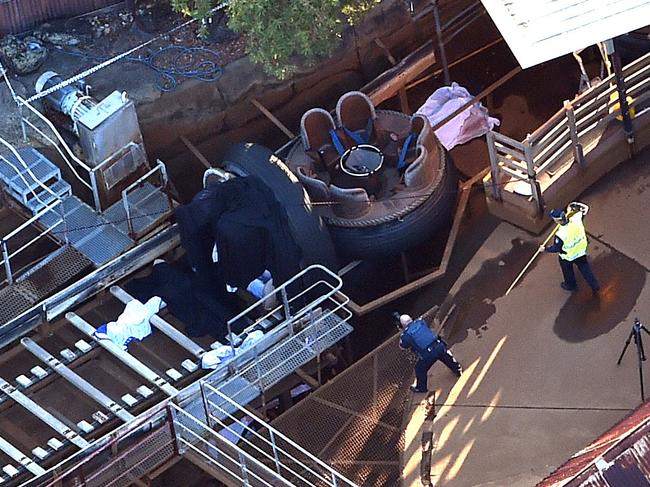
(291, 354)
(87, 231)
(57, 270)
(148, 205)
(365, 444)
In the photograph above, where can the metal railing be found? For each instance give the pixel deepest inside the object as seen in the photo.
(59, 144)
(187, 423)
(8, 254)
(160, 171)
(568, 135)
(243, 451)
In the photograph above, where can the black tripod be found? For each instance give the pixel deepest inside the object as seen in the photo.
(636, 334)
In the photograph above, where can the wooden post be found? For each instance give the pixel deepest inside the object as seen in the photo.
(578, 153)
(441, 45)
(532, 176)
(403, 99)
(494, 166)
(272, 118)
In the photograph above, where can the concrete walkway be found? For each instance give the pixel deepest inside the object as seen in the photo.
(541, 377)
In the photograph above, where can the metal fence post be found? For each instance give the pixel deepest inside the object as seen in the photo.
(275, 453)
(287, 309)
(494, 165)
(205, 404)
(5, 256)
(93, 183)
(243, 469)
(532, 175)
(578, 153)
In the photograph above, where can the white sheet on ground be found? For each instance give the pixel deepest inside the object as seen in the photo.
(132, 324)
(467, 125)
(223, 353)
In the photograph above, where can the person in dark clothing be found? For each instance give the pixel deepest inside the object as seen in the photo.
(571, 244)
(417, 336)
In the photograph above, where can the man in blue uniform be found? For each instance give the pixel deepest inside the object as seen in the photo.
(571, 245)
(417, 336)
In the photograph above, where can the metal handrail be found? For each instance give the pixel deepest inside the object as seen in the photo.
(43, 118)
(7, 256)
(335, 475)
(58, 149)
(282, 291)
(569, 132)
(237, 461)
(27, 168)
(160, 167)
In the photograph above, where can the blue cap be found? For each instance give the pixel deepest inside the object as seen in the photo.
(557, 214)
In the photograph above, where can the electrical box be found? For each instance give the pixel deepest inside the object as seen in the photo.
(107, 128)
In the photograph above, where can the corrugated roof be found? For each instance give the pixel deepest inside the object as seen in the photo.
(620, 457)
(540, 30)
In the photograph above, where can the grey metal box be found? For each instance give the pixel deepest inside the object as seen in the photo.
(108, 127)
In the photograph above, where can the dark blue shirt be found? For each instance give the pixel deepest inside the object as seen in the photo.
(418, 337)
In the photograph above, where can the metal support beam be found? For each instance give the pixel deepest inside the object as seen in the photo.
(76, 380)
(20, 457)
(49, 419)
(125, 357)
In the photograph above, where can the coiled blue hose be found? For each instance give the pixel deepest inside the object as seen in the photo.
(170, 63)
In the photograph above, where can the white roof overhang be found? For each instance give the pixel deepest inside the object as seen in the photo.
(540, 30)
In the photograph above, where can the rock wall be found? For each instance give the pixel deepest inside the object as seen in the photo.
(201, 111)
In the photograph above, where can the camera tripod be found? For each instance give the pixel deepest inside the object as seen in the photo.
(636, 334)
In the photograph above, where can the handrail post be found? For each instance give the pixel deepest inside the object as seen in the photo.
(287, 309)
(127, 212)
(93, 183)
(578, 152)
(205, 404)
(276, 457)
(243, 469)
(494, 165)
(532, 175)
(5, 256)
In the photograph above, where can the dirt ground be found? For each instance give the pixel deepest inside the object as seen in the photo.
(92, 38)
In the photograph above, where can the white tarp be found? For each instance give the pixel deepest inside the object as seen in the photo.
(540, 30)
(468, 124)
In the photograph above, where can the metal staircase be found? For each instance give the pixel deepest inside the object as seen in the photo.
(32, 179)
(87, 238)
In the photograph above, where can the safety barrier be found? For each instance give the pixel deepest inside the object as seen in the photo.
(202, 420)
(247, 454)
(8, 254)
(526, 170)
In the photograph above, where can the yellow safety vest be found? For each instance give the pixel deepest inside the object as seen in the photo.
(574, 238)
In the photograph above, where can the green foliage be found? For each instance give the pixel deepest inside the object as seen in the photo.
(198, 9)
(280, 34)
(356, 10)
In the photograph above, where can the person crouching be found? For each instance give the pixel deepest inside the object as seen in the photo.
(417, 336)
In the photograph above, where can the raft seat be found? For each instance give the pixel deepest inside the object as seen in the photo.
(356, 116)
(420, 172)
(349, 202)
(316, 188)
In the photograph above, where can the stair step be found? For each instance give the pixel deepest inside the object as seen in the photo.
(60, 188)
(21, 184)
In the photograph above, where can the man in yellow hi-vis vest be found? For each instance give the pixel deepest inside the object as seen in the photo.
(571, 244)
